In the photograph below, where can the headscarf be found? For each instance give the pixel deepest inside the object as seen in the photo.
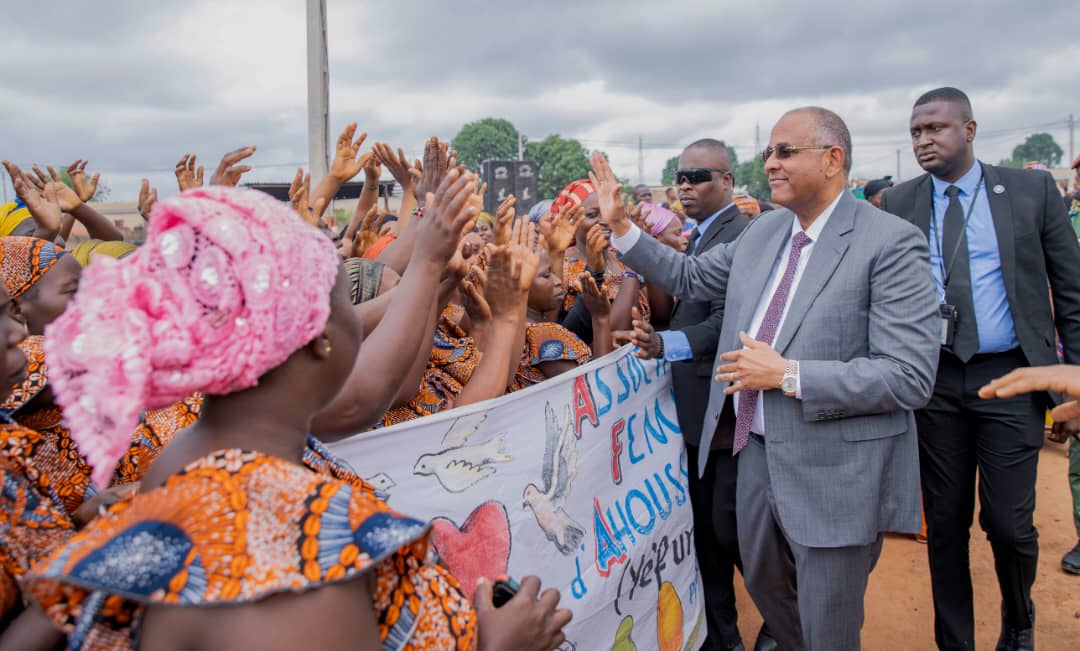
(35, 375)
(227, 286)
(24, 260)
(11, 215)
(538, 210)
(749, 202)
(365, 278)
(572, 196)
(658, 219)
(86, 252)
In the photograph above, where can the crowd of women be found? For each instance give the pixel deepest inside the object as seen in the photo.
(166, 404)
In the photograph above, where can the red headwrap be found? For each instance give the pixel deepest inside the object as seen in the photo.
(572, 196)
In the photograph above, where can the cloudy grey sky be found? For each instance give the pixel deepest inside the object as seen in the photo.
(131, 84)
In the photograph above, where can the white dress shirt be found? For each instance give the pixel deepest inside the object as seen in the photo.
(626, 242)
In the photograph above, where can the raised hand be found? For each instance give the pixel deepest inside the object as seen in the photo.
(437, 161)
(85, 187)
(558, 229)
(596, 248)
(524, 247)
(228, 172)
(609, 193)
(43, 205)
(67, 198)
(472, 297)
(446, 219)
(299, 190)
(504, 278)
(348, 161)
(369, 231)
(637, 214)
(187, 175)
(504, 221)
(595, 300)
(403, 172)
(147, 199)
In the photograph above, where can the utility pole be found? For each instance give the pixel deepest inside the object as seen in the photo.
(897, 165)
(640, 160)
(521, 146)
(757, 138)
(1072, 129)
(318, 74)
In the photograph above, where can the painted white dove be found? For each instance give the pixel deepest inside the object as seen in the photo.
(560, 468)
(458, 466)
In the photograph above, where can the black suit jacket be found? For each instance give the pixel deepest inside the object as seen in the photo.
(1037, 246)
(701, 323)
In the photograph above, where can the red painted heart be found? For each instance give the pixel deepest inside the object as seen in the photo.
(479, 548)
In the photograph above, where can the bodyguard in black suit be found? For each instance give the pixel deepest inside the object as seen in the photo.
(704, 181)
(999, 238)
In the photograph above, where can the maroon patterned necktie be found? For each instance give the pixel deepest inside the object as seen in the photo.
(765, 334)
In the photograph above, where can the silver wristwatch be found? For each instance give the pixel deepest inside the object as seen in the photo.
(790, 382)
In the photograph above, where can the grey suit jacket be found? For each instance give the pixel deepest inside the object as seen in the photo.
(864, 326)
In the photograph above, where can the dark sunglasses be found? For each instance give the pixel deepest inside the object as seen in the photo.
(784, 150)
(695, 175)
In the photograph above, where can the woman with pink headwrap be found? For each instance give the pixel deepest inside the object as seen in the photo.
(246, 532)
(664, 225)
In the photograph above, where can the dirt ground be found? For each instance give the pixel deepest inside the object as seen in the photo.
(899, 612)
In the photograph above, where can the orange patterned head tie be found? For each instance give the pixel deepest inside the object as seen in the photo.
(572, 196)
(24, 260)
(35, 376)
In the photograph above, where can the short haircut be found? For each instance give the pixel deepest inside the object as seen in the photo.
(950, 95)
(831, 130)
(717, 146)
(641, 185)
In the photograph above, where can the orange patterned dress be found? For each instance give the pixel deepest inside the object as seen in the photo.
(32, 521)
(547, 342)
(53, 452)
(573, 266)
(614, 273)
(61, 468)
(454, 358)
(195, 541)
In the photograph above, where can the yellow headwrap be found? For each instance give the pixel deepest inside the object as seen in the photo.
(11, 215)
(85, 252)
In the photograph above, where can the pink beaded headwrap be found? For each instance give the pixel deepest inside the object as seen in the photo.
(658, 219)
(227, 286)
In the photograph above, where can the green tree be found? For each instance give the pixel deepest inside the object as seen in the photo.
(667, 177)
(561, 160)
(751, 174)
(1039, 148)
(490, 138)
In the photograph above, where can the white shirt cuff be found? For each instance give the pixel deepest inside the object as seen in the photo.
(624, 243)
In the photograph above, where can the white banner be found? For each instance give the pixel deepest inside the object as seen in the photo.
(581, 480)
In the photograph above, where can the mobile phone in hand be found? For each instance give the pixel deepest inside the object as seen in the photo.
(503, 591)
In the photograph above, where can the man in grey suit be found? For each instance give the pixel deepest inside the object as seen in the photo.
(842, 306)
(705, 181)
